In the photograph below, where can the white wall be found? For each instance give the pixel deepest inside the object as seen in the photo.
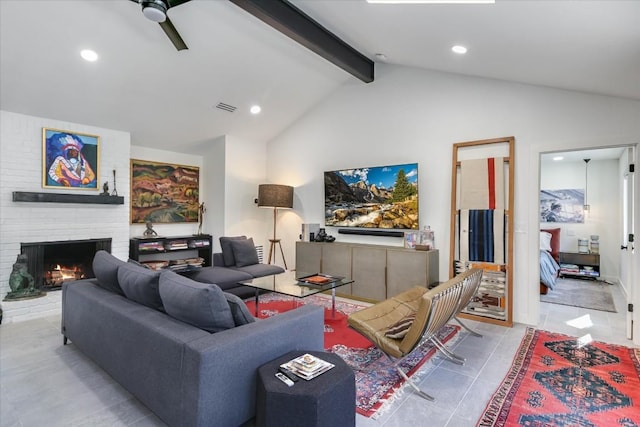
(21, 170)
(232, 169)
(245, 163)
(213, 174)
(605, 208)
(412, 115)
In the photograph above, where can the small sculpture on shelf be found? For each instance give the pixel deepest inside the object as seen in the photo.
(149, 232)
(105, 189)
(201, 211)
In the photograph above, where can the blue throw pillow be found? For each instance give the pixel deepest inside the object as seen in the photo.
(244, 252)
(239, 311)
(140, 285)
(105, 268)
(202, 305)
(227, 250)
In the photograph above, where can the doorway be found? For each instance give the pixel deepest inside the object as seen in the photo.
(590, 186)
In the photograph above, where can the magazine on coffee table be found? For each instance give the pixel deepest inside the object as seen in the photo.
(318, 280)
(307, 366)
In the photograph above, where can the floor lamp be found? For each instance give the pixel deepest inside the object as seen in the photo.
(275, 196)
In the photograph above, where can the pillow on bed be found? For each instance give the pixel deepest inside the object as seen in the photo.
(545, 241)
(555, 241)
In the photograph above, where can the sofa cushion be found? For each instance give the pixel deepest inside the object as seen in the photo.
(221, 276)
(105, 268)
(140, 285)
(198, 304)
(239, 311)
(227, 250)
(261, 270)
(244, 252)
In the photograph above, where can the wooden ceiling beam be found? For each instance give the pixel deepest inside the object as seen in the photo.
(291, 21)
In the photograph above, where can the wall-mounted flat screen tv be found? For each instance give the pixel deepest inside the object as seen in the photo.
(383, 197)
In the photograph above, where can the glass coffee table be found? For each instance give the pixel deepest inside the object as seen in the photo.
(294, 284)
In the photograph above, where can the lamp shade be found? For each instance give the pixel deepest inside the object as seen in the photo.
(275, 195)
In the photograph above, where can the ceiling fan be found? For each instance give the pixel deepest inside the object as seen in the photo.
(156, 11)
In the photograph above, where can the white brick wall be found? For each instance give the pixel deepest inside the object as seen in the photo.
(21, 170)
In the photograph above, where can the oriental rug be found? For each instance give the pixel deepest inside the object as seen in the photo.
(558, 380)
(378, 384)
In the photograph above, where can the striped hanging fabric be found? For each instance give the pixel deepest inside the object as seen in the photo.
(482, 183)
(482, 235)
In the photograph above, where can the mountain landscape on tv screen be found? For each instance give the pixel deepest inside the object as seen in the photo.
(379, 197)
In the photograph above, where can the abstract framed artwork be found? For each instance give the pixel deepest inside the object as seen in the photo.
(70, 159)
(562, 205)
(164, 192)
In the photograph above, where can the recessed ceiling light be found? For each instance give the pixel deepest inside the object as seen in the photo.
(255, 109)
(380, 57)
(89, 55)
(558, 158)
(459, 49)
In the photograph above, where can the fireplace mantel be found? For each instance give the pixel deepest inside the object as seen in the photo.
(27, 196)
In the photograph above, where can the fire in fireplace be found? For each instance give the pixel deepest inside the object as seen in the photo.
(60, 274)
(53, 263)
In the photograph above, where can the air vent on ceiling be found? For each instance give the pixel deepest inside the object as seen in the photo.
(226, 107)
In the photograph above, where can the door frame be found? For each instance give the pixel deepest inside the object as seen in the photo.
(533, 273)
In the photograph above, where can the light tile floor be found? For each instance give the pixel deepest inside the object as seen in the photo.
(43, 382)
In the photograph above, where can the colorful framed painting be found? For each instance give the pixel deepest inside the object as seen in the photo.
(70, 159)
(164, 192)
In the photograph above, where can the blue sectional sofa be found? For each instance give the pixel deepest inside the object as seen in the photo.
(237, 262)
(138, 325)
(228, 277)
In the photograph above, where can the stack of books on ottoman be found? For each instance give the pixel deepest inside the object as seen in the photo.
(307, 366)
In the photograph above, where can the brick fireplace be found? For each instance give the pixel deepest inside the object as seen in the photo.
(24, 223)
(53, 263)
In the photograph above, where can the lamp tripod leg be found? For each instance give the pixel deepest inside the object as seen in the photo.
(271, 252)
(281, 253)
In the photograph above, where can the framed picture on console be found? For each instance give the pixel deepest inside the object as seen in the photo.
(70, 159)
(164, 192)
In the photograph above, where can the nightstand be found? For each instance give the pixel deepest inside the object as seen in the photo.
(579, 264)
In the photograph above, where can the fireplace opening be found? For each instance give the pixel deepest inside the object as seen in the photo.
(53, 263)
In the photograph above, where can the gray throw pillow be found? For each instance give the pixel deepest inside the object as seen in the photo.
(227, 251)
(239, 311)
(140, 285)
(105, 268)
(244, 252)
(202, 305)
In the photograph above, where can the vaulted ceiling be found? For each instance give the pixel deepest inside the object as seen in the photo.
(167, 99)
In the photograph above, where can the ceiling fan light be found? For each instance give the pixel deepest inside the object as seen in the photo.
(155, 10)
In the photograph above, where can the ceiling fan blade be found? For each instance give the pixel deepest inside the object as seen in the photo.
(174, 3)
(173, 35)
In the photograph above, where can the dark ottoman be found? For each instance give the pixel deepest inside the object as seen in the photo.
(327, 400)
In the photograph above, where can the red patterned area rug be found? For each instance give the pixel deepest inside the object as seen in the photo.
(555, 380)
(377, 382)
